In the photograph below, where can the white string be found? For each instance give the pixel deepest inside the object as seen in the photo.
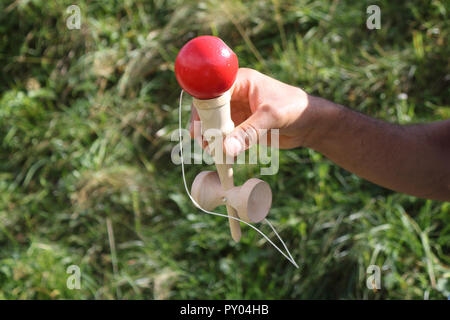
(291, 260)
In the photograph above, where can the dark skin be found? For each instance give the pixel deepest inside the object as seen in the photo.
(413, 159)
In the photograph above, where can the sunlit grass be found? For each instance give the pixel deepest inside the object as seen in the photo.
(86, 176)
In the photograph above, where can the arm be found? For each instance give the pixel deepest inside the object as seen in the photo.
(414, 159)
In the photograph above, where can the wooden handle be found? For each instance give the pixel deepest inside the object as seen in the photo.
(215, 114)
(225, 172)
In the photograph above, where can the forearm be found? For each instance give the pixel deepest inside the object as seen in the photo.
(411, 159)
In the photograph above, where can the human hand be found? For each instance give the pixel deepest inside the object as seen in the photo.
(260, 103)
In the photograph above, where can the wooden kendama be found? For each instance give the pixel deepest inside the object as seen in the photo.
(206, 68)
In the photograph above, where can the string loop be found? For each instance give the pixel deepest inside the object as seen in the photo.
(290, 258)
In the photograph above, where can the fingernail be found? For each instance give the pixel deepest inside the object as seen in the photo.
(233, 146)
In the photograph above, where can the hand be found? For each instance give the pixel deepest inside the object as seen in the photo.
(260, 102)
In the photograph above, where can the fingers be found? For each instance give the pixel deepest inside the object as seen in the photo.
(259, 117)
(251, 125)
(247, 133)
(242, 84)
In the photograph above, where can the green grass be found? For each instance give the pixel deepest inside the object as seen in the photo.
(85, 123)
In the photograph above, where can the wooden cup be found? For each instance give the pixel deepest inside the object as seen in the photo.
(252, 200)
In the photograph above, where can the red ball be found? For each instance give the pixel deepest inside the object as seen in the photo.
(206, 67)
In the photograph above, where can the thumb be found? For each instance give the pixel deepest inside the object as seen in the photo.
(246, 134)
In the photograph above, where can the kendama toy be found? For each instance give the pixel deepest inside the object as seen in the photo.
(206, 68)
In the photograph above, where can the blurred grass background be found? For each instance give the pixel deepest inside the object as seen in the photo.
(85, 123)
